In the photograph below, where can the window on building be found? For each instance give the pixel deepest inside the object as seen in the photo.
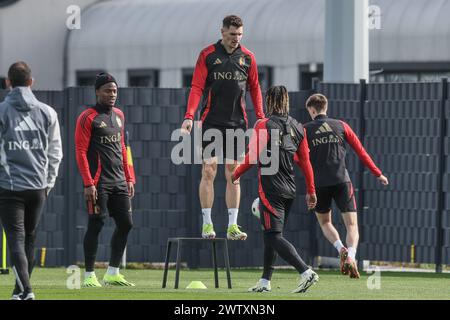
(143, 78)
(308, 74)
(393, 76)
(187, 75)
(436, 76)
(87, 78)
(383, 73)
(409, 72)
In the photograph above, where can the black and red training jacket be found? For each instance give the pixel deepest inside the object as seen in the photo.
(100, 147)
(222, 80)
(326, 139)
(290, 150)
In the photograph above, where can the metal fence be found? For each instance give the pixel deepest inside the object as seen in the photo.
(403, 126)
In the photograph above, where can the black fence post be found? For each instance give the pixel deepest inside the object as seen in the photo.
(441, 194)
(362, 133)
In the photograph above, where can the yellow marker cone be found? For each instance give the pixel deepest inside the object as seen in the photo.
(196, 285)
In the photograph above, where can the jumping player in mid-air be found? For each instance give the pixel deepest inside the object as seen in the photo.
(326, 139)
(222, 75)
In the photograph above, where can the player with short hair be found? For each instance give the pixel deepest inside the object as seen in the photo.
(223, 73)
(277, 191)
(108, 185)
(326, 139)
(30, 155)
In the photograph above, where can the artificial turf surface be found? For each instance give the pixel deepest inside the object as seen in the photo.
(50, 284)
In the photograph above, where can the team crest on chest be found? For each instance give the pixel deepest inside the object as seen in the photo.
(242, 60)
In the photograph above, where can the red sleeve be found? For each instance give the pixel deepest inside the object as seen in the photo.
(301, 157)
(354, 142)
(82, 141)
(126, 168)
(257, 144)
(198, 83)
(255, 90)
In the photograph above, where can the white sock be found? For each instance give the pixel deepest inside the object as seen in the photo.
(206, 213)
(232, 216)
(112, 271)
(338, 245)
(306, 274)
(87, 274)
(352, 253)
(264, 282)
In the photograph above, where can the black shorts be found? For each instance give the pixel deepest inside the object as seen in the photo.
(274, 212)
(343, 195)
(111, 199)
(231, 149)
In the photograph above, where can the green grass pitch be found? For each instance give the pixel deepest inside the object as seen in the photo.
(50, 284)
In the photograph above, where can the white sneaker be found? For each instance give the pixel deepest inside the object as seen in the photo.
(16, 293)
(307, 282)
(261, 286)
(16, 297)
(27, 296)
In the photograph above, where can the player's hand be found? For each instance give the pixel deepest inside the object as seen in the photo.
(186, 127)
(90, 194)
(130, 189)
(311, 200)
(383, 180)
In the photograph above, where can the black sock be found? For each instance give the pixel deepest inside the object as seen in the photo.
(90, 244)
(124, 224)
(270, 256)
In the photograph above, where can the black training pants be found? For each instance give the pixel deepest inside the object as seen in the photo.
(20, 212)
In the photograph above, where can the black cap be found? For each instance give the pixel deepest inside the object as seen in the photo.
(104, 78)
